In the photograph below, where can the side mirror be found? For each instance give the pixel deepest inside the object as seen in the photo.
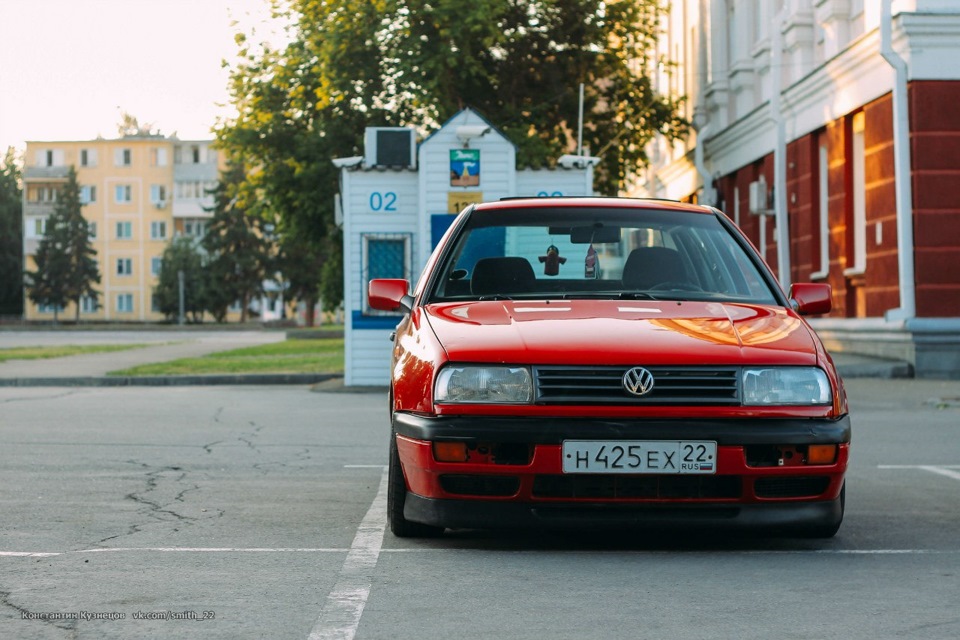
(811, 298)
(389, 294)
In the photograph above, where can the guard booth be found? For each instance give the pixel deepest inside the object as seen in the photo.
(397, 200)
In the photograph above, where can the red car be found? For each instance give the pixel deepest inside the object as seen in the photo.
(568, 362)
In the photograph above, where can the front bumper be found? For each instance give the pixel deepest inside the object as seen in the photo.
(741, 494)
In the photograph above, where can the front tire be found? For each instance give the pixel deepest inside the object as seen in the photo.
(397, 496)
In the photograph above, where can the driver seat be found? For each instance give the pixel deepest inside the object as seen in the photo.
(647, 267)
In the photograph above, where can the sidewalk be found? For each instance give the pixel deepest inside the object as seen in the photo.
(162, 346)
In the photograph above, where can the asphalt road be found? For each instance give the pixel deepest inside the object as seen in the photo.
(259, 512)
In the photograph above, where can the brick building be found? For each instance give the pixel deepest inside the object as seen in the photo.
(828, 129)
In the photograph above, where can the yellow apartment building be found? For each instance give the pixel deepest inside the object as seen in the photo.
(139, 193)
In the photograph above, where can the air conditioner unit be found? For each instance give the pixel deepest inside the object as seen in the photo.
(160, 204)
(760, 198)
(390, 147)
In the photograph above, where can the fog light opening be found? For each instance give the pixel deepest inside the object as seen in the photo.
(450, 451)
(821, 454)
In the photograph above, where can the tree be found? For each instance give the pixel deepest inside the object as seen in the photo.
(300, 265)
(520, 62)
(181, 256)
(130, 127)
(356, 63)
(238, 251)
(11, 236)
(66, 261)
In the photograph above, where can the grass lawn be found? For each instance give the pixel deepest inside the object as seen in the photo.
(324, 355)
(36, 353)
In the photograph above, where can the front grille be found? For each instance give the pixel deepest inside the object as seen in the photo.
(799, 487)
(604, 385)
(638, 487)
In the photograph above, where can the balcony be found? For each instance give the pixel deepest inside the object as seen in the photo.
(38, 208)
(45, 173)
(193, 207)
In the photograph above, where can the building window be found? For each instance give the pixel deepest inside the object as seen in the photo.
(39, 227)
(50, 308)
(50, 158)
(158, 230)
(193, 189)
(194, 229)
(155, 264)
(88, 304)
(154, 302)
(385, 256)
(123, 157)
(124, 230)
(195, 154)
(41, 194)
(124, 267)
(88, 194)
(823, 215)
(859, 189)
(125, 303)
(123, 193)
(88, 157)
(92, 230)
(158, 194)
(158, 157)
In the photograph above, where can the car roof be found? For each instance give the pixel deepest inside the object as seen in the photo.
(594, 202)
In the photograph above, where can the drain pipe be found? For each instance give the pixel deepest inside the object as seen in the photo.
(703, 130)
(901, 167)
(780, 154)
(701, 123)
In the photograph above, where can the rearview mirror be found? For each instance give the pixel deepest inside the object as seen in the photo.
(594, 233)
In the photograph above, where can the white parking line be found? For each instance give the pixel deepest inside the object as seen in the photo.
(340, 616)
(461, 550)
(946, 470)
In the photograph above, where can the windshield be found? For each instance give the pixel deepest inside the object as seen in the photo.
(576, 252)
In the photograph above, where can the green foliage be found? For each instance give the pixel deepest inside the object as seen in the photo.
(520, 63)
(11, 236)
(66, 261)
(350, 64)
(238, 250)
(181, 255)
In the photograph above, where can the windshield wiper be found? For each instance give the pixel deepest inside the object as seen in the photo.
(609, 295)
(494, 296)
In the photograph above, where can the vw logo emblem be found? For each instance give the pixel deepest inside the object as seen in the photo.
(638, 381)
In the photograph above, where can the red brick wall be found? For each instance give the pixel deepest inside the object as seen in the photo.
(935, 146)
(882, 284)
(935, 156)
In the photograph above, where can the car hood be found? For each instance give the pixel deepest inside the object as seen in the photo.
(621, 332)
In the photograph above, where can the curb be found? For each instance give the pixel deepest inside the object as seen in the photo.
(172, 381)
(883, 370)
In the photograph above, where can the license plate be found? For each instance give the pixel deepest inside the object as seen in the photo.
(640, 456)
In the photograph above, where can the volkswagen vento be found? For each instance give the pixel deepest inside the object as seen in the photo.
(570, 362)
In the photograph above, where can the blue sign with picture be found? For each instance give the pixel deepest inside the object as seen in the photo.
(464, 167)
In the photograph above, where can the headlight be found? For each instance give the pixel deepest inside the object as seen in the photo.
(785, 385)
(484, 384)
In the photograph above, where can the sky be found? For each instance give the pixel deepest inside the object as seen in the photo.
(70, 68)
